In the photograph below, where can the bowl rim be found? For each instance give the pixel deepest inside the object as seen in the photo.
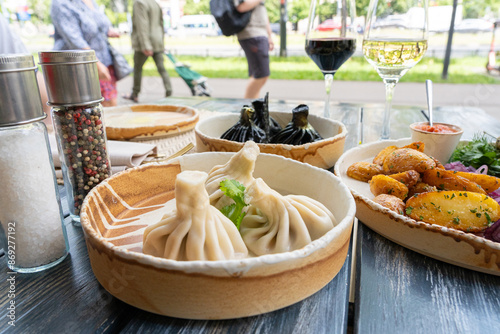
(338, 136)
(234, 265)
(449, 232)
(458, 129)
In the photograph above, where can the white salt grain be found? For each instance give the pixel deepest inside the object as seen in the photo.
(28, 197)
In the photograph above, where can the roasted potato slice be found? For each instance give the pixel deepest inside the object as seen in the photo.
(379, 158)
(462, 210)
(391, 202)
(420, 187)
(416, 145)
(439, 165)
(404, 159)
(450, 180)
(383, 184)
(487, 182)
(408, 178)
(364, 170)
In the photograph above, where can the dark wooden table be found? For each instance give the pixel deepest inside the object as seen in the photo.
(396, 290)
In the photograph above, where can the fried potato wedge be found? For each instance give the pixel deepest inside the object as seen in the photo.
(404, 159)
(462, 210)
(383, 184)
(380, 157)
(364, 170)
(439, 165)
(416, 145)
(391, 202)
(450, 180)
(408, 178)
(420, 187)
(487, 182)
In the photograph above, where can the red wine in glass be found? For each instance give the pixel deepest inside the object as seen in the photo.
(330, 53)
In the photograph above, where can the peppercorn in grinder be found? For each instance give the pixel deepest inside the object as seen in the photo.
(74, 94)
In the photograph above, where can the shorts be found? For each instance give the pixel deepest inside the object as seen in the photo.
(108, 87)
(257, 53)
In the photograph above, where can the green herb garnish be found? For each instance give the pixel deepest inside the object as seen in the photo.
(236, 191)
(478, 152)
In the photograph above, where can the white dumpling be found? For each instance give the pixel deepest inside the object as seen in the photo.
(240, 168)
(275, 223)
(195, 230)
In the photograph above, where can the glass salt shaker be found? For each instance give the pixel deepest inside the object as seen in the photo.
(30, 209)
(74, 94)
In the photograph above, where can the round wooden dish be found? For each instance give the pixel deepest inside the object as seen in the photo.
(446, 244)
(143, 122)
(323, 153)
(116, 212)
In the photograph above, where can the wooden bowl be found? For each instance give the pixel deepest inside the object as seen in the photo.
(323, 153)
(148, 121)
(116, 212)
(446, 244)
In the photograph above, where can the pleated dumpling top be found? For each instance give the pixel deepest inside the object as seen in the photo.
(275, 223)
(240, 168)
(195, 230)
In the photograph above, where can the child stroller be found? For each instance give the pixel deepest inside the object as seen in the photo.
(195, 81)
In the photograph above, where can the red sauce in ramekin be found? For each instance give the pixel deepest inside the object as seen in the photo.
(437, 128)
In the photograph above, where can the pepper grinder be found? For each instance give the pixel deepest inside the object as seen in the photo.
(75, 98)
(30, 209)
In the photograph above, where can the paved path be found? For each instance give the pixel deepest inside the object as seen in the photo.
(486, 97)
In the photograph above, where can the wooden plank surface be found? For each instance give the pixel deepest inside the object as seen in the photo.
(64, 299)
(401, 291)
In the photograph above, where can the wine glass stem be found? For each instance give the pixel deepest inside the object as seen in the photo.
(328, 88)
(389, 90)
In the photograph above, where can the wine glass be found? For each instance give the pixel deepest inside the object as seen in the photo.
(395, 39)
(331, 38)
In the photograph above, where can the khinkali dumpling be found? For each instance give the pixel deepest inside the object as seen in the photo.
(275, 223)
(195, 230)
(240, 168)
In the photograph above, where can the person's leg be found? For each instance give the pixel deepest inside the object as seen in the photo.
(108, 89)
(110, 103)
(139, 60)
(160, 65)
(254, 86)
(257, 54)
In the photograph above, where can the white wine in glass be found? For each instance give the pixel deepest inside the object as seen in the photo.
(395, 40)
(331, 38)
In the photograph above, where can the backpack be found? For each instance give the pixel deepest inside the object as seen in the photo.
(230, 21)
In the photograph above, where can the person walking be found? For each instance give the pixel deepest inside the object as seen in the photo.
(79, 24)
(256, 41)
(148, 41)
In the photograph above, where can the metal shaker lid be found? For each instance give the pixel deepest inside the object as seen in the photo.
(20, 101)
(71, 77)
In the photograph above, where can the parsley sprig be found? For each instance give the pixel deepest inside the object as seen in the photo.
(236, 191)
(478, 152)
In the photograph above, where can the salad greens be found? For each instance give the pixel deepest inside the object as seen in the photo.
(236, 191)
(478, 152)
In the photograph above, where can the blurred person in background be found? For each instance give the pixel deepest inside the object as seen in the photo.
(148, 41)
(10, 43)
(79, 24)
(256, 41)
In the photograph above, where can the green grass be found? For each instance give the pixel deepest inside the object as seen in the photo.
(468, 70)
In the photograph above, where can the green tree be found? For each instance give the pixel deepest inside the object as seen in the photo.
(273, 10)
(41, 11)
(201, 7)
(299, 10)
